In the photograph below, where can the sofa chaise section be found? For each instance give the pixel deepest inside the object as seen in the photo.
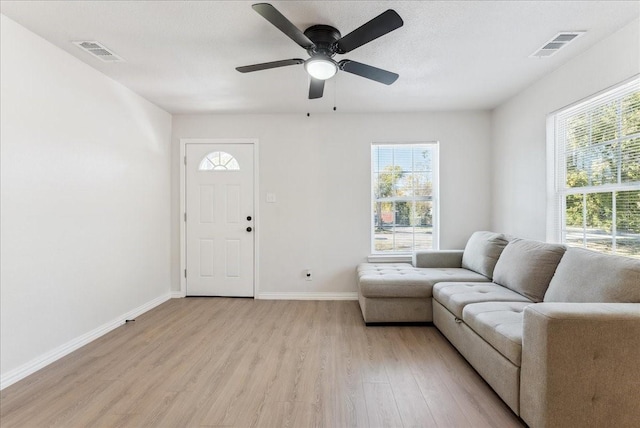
(402, 292)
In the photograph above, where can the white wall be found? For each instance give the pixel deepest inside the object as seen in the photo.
(319, 169)
(519, 129)
(84, 203)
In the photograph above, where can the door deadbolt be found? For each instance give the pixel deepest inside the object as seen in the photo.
(249, 218)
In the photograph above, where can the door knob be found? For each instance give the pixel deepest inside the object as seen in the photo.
(248, 218)
(249, 229)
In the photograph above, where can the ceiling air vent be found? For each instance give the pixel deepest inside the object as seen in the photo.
(99, 51)
(559, 41)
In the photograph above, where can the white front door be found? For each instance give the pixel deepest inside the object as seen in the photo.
(219, 219)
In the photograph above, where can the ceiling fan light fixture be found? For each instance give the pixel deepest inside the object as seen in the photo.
(321, 67)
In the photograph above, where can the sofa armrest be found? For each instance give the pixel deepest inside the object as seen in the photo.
(437, 259)
(580, 365)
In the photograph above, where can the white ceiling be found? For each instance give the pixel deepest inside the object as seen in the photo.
(450, 55)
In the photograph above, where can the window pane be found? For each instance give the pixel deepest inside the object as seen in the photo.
(388, 181)
(574, 230)
(403, 239)
(422, 184)
(403, 227)
(577, 131)
(576, 173)
(403, 159)
(421, 159)
(402, 181)
(593, 166)
(604, 123)
(405, 185)
(630, 154)
(375, 184)
(422, 220)
(399, 184)
(631, 114)
(599, 220)
(604, 164)
(205, 165)
(628, 223)
(403, 213)
(422, 214)
(384, 156)
(383, 226)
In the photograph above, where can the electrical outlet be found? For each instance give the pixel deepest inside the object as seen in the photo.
(307, 275)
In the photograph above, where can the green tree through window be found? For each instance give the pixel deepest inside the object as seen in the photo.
(598, 147)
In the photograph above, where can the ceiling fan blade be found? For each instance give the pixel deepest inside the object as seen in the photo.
(378, 26)
(368, 71)
(268, 65)
(272, 15)
(316, 88)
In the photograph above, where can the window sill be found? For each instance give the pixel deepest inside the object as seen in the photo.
(389, 258)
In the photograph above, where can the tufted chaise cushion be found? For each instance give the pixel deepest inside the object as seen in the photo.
(456, 295)
(404, 280)
(500, 324)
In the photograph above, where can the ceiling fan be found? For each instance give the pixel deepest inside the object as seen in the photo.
(323, 42)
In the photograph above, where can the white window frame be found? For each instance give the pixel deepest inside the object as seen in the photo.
(556, 169)
(398, 256)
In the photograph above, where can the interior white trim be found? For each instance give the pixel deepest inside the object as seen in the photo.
(553, 228)
(55, 354)
(256, 205)
(308, 296)
(389, 258)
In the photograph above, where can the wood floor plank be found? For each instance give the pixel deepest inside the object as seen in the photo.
(412, 406)
(442, 405)
(381, 405)
(222, 362)
(373, 369)
(469, 390)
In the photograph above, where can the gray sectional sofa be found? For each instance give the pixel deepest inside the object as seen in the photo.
(555, 331)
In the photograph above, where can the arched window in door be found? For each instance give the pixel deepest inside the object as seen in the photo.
(219, 161)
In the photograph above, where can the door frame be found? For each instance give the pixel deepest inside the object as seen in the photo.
(183, 200)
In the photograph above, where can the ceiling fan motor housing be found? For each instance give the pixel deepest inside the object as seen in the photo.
(324, 38)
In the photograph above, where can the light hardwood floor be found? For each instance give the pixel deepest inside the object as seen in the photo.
(242, 363)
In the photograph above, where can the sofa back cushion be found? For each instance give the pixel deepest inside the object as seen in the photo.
(482, 252)
(587, 276)
(527, 267)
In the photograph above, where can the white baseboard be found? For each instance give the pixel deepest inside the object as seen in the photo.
(308, 296)
(177, 294)
(36, 364)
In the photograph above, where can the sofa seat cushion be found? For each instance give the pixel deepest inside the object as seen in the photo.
(587, 276)
(404, 280)
(456, 295)
(500, 324)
